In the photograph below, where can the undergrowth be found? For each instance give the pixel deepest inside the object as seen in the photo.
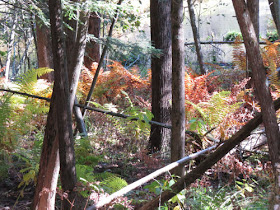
(116, 148)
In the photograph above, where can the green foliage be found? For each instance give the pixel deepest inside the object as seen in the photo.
(4, 165)
(19, 113)
(84, 154)
(214, 111)
(272, 36)
(84, 173)
(3, 53)
(27, 81)
(239, 197)
(138, 129)
(143, 116)
(198, 124)
(5, 112)
(218, 107)
(29, 161)
(113, 183)
(131, 54)
(158, 187)
(231, 36)
(109, 182)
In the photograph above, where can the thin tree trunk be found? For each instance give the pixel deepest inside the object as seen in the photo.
(25, 54)
(178, 86)
(10, 48)
(44, 51)
(160, 12)
(196, 37)
(93, 49)
(101, 59)
(275, 11)
(263, 94)
(75, 48)
(253, 8)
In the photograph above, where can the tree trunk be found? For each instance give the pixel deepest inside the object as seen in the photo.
(263, 94)
(275, 11)
(44, 51)
(59, 127)
(253, 8)
(75, 50)
(10, 48)
(93, 49)
(160, 11)
(196, 37)
(64, 104)
(178, 86)
(45, 191)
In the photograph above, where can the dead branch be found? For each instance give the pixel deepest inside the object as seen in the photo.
(151, 176)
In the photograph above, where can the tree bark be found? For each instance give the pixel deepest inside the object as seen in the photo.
(63, 106)
(196, 37)
(44, 51)
(253, 8)
(75, 50)
(45, 191)
(211, 160)
(178, 86)
(275, 11)
(160, 11)
(263, 94)
(59, 125)
(10, 47)
(93, 49)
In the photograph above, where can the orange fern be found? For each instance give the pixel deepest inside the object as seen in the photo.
(111, 83)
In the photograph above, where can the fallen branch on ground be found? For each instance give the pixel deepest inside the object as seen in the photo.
(149, 177)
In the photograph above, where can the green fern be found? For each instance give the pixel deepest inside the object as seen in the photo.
(109, 182)
(113, 183)
(27, 81)
(5, 112)
(215, 110)
(219, 107)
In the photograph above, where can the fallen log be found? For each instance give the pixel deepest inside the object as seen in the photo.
(211, 160)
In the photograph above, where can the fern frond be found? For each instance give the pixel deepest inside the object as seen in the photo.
(239, 55)
(214, 111)
(27, 80)
(271, 57)
(113, 184)
(219, 107)
(5, 111)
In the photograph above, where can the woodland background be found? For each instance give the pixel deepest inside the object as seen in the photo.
(101, 57)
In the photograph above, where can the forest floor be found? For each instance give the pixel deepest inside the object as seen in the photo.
(12, 197)
(130, 167)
